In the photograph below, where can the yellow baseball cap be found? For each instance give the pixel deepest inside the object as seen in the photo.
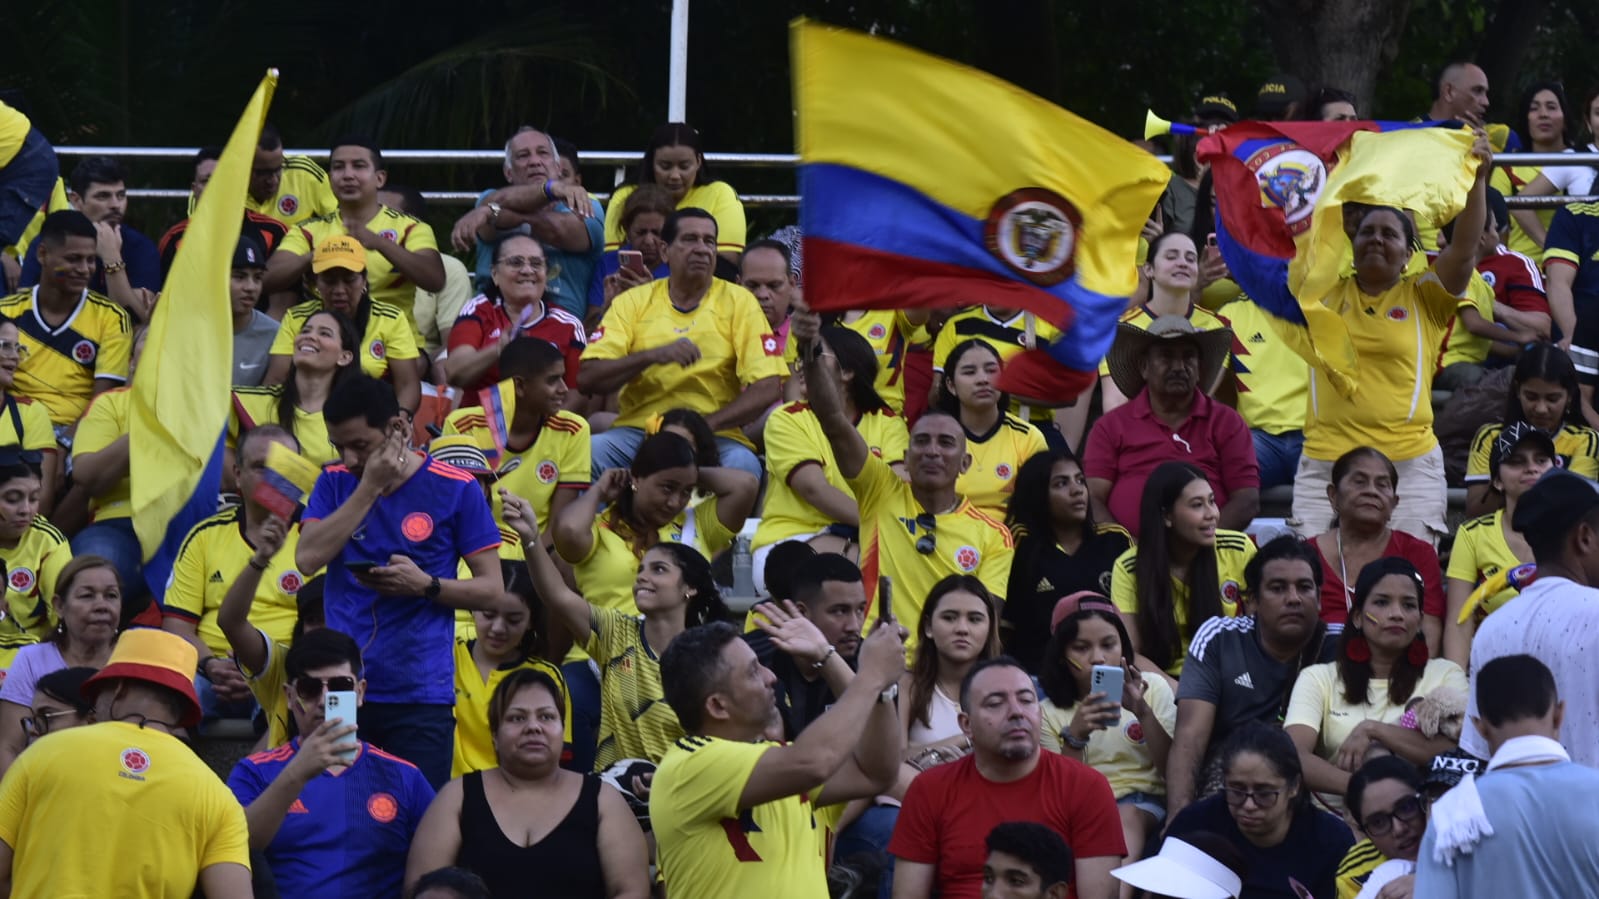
(339, 251)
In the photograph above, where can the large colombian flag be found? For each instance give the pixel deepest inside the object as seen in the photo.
(1280, 193)
(927, 183)
(181, 390)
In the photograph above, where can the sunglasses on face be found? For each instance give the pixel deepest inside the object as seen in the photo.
(928, 542)
(1407, 810)
(310, 688)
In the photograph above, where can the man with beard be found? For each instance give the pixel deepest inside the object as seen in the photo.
(1169, 370)
(127, 264)
(1242, 669)
(916, 533)
(948, 810)
(829, 594)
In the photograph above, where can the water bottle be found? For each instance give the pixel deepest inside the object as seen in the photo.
(743, 568)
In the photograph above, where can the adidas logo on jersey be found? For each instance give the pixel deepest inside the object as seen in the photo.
(1243, 680)
(215, 578)
(1258, 338)
(1043, 585)
(298, 808)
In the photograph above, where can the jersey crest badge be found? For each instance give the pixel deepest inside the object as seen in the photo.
(417, 526)
(21, 580)
(288, 204)
(85, 351)
(547, 472)
(877, 332)
(382, 807)
(290, 582)
(967, 558)
(377, 349)
(135, 762)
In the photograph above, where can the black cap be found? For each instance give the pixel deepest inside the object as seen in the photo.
(1277, 94)
(1217, 107)
(249, 253)
(1556, 503)
(1448, 769)
(1513, 435)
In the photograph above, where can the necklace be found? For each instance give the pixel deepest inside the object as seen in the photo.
(1343, 571)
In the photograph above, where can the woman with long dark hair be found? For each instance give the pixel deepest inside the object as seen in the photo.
(1571, 180)
(1339, 709)
(1127, 737)
(1184, 570)
(1546, 125)
(675, 160)
(1060, 550)
(1387, 804)
(958, 629)
(672, 591)
(1264, 811)
(1543, 393)
(325, 353)
(806, 497)
(646, 504)
(997, 442)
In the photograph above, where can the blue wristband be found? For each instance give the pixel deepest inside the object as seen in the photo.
(548, 194)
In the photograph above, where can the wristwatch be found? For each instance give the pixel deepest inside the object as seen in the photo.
(889, 695)
(494, 213)
(1067, 738)
(432, 592)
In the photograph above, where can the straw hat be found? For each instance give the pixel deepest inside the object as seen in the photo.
(155, 657)
(1126, 359)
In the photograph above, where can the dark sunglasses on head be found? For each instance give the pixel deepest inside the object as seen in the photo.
(926, 543)
(1407, 810)
(310, 688)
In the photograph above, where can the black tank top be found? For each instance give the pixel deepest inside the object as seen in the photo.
(563, 865)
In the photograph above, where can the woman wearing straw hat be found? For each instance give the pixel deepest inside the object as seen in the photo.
(1169, 371)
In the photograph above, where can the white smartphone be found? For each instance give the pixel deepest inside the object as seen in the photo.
(1106, 679)
(341, 704)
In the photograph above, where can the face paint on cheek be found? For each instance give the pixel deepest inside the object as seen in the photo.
(1372, 618)
(1075, 664)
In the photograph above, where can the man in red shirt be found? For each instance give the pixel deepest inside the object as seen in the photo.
(938, 844)
(1169, 371)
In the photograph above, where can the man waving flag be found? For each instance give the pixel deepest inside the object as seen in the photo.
(926, 183)
(181, 390)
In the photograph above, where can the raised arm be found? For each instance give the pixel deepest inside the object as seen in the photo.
(826, 396)
(1457, 261)
(322, 540)
(233, 618)
(567, 608)
(735, 494)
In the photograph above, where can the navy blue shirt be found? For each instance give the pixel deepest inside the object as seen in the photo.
(1310, 854)
(435, 518)
(138, 252)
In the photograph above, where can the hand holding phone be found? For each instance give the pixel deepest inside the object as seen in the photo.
(1109, 680)
(359, 567)
(885, 600)
(633, 261)
(341, 705)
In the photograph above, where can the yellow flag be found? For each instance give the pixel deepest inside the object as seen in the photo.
(183, 382)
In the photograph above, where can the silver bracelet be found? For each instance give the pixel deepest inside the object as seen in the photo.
(817, 666)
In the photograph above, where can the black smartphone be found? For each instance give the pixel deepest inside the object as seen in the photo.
(361, 566)
(885, 599)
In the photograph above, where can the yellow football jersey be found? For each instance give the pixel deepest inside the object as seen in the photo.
(736, 344)
(964, 541)
(38, 432)
(256, 406)
(1273, 380)
(996, 457)
(210, 559)
(31, 569)
(64, 360)
(717, 198)
(794, 439)
(1479, 553)
(1234, 549)
(304, 193)
(1006, 337)
(106, 420)
(708, 846)
(890, 335)
(1576, 445)
(14, 128)
(557, 459)
(388, 335)
(635, 721)
(1460, 345)
(386, 283)
(606, 574)
(474, 743)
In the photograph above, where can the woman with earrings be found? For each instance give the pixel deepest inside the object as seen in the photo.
(1342, 709)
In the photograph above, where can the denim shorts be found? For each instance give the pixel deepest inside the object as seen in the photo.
(1146, 802)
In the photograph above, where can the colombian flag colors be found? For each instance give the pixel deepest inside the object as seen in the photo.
(927, 183)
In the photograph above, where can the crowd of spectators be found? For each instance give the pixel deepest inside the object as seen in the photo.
(1213, 628)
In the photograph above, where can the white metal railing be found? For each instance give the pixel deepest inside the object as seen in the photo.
(619, 160)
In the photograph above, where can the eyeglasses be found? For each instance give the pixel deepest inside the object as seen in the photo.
(928, 542)
(310, 688)
(39, 724)
(1264, 799)
(529, 262)
(10, 347)
(1407, 810)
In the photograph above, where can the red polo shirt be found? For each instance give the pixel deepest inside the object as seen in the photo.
(1128, 443)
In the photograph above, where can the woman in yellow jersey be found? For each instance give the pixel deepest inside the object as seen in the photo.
(325, 353)
(1124, 737)
(672, 592)
(1544, 394)
(1060, 550)
(1546, 124)
(1487, 545)
(891, 333)
(510, 637)
(32, 555)
(1396, 323)
(1172, 270)
(807, 498)
(675, 159)
(524, 825)
(1184, 571)
(996, 441)
(646, 504)
(28, 421)
(88, 604)
(1341, 709)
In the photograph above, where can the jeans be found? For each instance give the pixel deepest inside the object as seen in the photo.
(212, 707)
(25, 185)
(615, 449)
(116, 541)
(869, 833)
(1278, 456)
(583, 689)
(421, 733)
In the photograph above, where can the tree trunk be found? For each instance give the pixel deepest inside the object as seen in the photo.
(1513, 26)
(1338, 43)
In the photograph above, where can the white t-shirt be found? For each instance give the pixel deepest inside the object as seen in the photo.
(1392, 869)
(1556, 621)
(1572, 180)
